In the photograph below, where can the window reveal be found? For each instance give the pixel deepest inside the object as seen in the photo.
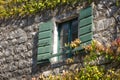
(68, 31)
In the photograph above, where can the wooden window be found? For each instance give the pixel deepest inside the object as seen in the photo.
(68, 31)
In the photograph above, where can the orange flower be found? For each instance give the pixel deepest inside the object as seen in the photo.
(73, 45)
(109, 51)
(118, 41)
(77, 41)
(88, 48)
(118, 50)
(114, 43)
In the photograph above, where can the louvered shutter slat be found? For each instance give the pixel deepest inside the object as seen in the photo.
(45, 41)
(85, 25)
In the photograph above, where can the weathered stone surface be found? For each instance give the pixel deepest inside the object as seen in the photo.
(73, 67)
(37, 18)
(4, 67)
(27, 71)
(29, 36)
(2, 60)
(23, 22)
(9, 59)
(19, 33)
(13, 79)
(30, 20)
(7, 53)
(16, 57)
(47, 73)
(4, 44)
(100, 7)
(21, 48)
(29, 46)
(17, 47)
(56, 71)
(12, 67)
(28, 54)
(11, 35)
(21, 64)
(14, 41)
(104, 24)
(1, 54)
(8, 74)
(22, 39)
(109, 22)
(29, 29)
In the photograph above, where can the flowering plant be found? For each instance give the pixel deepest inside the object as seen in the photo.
(73, 44)
(110, 51)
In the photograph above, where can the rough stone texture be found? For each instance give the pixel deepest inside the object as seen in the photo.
(18, 42)
(16, 51)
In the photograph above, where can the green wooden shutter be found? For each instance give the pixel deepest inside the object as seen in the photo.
(85, 25)
(45, 41)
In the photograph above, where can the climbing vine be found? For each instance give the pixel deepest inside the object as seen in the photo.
(12, 8)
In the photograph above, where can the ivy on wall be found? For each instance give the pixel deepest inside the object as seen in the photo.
(12, 8)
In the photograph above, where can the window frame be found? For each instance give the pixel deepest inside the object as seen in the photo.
(69, 22)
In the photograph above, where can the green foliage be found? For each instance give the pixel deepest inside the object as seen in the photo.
(91, 72)
(12, 8)
(109, 51)
(86, 73)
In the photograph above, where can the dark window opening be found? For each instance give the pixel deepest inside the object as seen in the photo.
(68, 31)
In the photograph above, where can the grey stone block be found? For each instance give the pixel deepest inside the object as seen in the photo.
(29, 46)
(2, 60)
(100, 25)
(73, 67)
(4, 44)
(21, 64)
(29, 36)
(29, 28)
(56, 71)
(22, 39)
(14, 41)
(7, 53)
(11, 35)
(37, 18)
(23, 22)
(19, 33)
(12, 67)
(47, 73)
(9, 59)
(28, 54)
(1, 54)
(13, 79)
(16, 57)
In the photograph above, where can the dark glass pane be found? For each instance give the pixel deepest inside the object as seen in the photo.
(64, 34)
(68, 33)
(74, 30)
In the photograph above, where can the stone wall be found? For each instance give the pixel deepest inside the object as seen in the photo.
(18, 41)
(16, 50)
(106, 24)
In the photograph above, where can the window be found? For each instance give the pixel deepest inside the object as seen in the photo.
(50, 36)
(68, 31)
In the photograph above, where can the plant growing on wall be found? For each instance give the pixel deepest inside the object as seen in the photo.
(74, 44)
(12, 8)
(109, 51)
(91, 72)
